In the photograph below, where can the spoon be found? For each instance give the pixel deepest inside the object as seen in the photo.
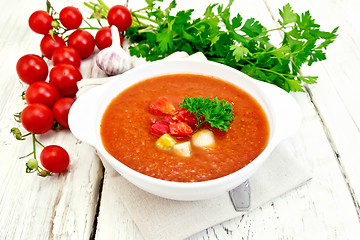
(241, 196)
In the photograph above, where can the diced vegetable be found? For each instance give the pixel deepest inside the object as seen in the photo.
(203, 139)
(183, 149)
(167, 120)
(180, 129)
(160, 128)
(165, 142)
(185, 115)
(162, 106)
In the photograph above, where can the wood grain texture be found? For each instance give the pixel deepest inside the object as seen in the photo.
(66, 206)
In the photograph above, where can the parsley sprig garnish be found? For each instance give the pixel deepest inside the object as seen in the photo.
(218, 113)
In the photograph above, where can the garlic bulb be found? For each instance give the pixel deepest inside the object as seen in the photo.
(113, 60)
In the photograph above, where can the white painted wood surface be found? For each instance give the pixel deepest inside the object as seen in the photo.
(68, 206)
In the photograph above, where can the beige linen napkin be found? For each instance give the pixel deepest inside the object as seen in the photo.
(163, 219)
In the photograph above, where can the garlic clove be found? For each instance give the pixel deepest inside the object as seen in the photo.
(113, 60)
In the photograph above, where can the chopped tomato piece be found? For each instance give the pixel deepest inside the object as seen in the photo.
(160, 128)
(180, 129)
(185, 115)
(167, 120)
(162, 106)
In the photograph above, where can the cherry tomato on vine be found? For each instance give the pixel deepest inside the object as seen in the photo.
(61, 110)
(37, 118)
(54, 158)
(70, 17)
(64, 77)
(119, 16)
(42, 92)
(66, 54)
(48, 44)
(83, 42)
(40, 22)
(32, 68)
(103, 38)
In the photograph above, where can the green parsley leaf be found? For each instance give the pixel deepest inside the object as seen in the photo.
(288, 15)
(239, 51)
(236, 21)
(171, 6)
(216, 112)
(308, 79)
(164, 39)
(252, 27)
(222, 45)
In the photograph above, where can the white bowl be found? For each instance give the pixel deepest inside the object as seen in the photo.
(281, 109)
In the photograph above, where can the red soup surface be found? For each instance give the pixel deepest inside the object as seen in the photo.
(126, 123)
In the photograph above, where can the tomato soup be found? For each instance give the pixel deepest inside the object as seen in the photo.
(126, 135)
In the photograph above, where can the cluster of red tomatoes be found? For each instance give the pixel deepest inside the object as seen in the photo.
(49, 101)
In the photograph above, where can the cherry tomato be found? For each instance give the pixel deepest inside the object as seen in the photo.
(32, 68)
(103, 38)
(119, 16)
(83, 42)
(37, 118)
(48, 45)
(61, 110)
(64, 77)
(70, 17)
(54, 158)
(66, 54)
(40, 22)
(42, 92)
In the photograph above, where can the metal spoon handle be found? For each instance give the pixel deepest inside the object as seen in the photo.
(241, 196)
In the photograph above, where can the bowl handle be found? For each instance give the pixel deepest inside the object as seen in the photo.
(288, 116)
(83, 116)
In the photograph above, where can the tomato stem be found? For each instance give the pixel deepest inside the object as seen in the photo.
(138, 16)
(26, 155)
(34, 145)
(17, 117)
(90, 26)
(84, 28)
(37, 141)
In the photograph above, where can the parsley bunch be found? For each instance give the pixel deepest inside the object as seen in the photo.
(216, 112)
(241, 44)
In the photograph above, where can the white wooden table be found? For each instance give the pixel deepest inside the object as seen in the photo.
(78, 203)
